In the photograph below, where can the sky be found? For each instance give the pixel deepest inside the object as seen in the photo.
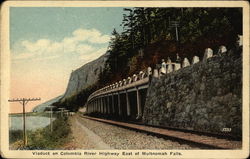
(47, 43)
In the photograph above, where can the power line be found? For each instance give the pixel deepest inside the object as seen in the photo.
(24, 101)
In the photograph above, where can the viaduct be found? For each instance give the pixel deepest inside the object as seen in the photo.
(127, 98)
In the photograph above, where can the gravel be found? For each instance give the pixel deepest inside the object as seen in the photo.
(121, 138)
(78, 137)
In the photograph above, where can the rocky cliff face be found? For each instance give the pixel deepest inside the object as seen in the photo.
(206, 96)
(84, 76)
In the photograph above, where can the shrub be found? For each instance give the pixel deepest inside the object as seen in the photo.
(15, 135)
(45, 139)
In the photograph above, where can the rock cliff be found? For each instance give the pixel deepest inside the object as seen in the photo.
(84, 76)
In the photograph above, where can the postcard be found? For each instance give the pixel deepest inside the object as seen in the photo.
(124, 79)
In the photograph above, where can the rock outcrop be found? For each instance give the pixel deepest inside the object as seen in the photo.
(85, 76)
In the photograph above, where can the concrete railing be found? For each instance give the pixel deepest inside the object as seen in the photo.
(136, 79)
(175, 66)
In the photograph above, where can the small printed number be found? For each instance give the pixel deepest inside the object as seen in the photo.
(226, 130)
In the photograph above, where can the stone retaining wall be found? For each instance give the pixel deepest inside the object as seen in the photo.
(206, 96)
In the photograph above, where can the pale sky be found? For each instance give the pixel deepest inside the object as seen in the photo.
(47, 43)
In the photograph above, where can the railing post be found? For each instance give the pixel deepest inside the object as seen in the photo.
(139, 110)
(128, 103)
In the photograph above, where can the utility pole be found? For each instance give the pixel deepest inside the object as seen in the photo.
(66, 112)
(51, 113)
(24, 101)
(176, 25)
(61, 109)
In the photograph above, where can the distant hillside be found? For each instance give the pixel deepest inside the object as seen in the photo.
(41, 107)
(84, 77)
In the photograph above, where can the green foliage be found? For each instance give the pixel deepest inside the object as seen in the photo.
(45, 139)
(15, 135)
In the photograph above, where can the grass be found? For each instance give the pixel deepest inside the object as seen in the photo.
(43, 138)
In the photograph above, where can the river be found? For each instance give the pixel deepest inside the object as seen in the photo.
(32, 122)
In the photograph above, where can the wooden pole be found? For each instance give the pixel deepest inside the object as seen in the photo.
(176, 32)
(24, 125)
(51, 127)
(24, 101)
